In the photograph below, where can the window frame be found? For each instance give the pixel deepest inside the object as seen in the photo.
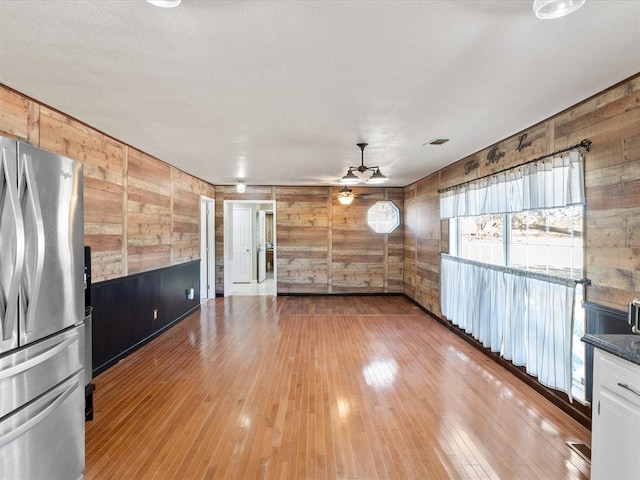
(455, 237)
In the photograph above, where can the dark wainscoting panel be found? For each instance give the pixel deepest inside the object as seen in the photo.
(601, 319)
(123, 309)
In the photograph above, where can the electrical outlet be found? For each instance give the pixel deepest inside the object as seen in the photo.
(155, 313)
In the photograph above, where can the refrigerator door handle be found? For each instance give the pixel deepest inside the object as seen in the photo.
(9, 192)
(32, 422)
(32, 362)
(32, 277)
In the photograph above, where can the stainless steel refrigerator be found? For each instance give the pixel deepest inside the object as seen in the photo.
(41, 314)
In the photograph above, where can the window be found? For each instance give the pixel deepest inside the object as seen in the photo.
(547, 241)
(516, 245)
(383, 216)
(482, 238)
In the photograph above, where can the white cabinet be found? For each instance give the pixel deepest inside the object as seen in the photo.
(615, 436)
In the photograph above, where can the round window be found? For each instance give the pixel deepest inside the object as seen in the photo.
(383, 216)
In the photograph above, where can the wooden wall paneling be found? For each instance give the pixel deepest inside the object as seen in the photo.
(33, 124)
(358, 252)
(320, 242)
(185, 241)
(219, 239)
(509, 153)
(171, 219)
(147, 243)
(456, 173)
(410, 219)
(534, 144)
(428, 243)
(394, 261)
(125, 210)
(612, 179)
(103, 167)
(14, 114)
(364, 261)
(608, 104)
(302, 239)
(149, 217)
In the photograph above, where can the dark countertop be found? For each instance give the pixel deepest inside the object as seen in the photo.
(625, 346)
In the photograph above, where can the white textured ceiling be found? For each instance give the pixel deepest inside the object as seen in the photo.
(279, 92)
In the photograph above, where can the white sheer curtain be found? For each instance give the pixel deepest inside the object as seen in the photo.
(526, 317)
(550, 183)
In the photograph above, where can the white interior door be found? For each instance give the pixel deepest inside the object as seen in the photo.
(242, 244)
(262, 252)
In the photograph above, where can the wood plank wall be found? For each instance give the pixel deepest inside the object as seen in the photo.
(323, 247)
(611, 120)
(140, 213)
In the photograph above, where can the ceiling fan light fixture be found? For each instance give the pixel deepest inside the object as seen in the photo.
(345, 196)
(550, 9)
(165, 3)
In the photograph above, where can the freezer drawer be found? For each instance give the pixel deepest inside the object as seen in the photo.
(46, 438)
(29, 372)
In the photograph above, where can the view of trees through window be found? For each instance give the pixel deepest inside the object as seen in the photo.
(482, 238)
(548, 241)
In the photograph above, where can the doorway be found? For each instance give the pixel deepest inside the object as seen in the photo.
(249, 247)
(207, 249)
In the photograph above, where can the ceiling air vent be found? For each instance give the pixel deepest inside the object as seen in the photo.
(436, 141)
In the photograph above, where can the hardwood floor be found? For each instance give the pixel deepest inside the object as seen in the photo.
(321, 387)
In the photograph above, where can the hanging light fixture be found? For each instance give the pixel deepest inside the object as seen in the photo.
(370, 175)
(165, 3)
(345, 196)
(549, 9)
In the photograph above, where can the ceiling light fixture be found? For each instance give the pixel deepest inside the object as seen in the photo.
(370, 175)
(240, 186)
(165, 3)
(549, 9)
(345, 196)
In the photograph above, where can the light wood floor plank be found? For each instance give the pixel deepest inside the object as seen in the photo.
(321, 388)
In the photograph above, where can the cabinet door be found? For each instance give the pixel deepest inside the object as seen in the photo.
(615, 442)
(616, 418)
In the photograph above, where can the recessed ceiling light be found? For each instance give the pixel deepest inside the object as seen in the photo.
(165, 3)
(436, 141)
